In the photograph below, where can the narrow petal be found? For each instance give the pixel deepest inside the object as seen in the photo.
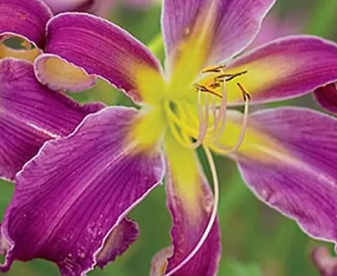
(231, 25)
(284, 69)
(71, 196)
(190, 202)
(31, 114)
(326, 96)
(325, 263)
(288, 159)
(27, 19)
(100, 48)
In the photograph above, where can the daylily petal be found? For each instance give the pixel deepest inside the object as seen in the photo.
(100, 47)
(288, 158)
(325, 263)
(71, 196)
(284, 69)
(69, 5)
(27, 19)
(121, 237)
(326, 96)
(31, 114)
(190, 203)
(28, 55)
(230, 25)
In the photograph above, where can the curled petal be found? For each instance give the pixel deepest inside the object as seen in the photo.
(71, 196)
(190, 203)
(288, 158)
(70, 5)
(27, 19)
(229, 25)
(59, 74)
(31, 114)
(100, 48)
(121, 237)
(284, 69)
(325, 263)
(326, 96)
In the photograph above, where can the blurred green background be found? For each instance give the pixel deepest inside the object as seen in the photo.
(256, 240)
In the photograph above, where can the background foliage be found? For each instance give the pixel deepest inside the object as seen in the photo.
(256, 240)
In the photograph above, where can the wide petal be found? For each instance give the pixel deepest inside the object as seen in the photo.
(283, 69)
(71, 196)
(326, 96)
(288, 159)
(229, 26)
(99, 47)
(190, 202)
(27, 19)
(31, 114)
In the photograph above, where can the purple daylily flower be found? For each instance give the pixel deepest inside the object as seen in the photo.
(116, 156)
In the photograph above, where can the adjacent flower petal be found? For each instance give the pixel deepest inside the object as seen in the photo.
(325, 263)
(100, 47)
(190, 203)
(27, 19)
(288, 158)
(326, 96)
(231, 25)
(69, 5)
(283, 69)
(31, 114)
(71, 196)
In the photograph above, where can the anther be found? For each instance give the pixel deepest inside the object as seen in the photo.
(214, 69)
(203, 88)
(245, 95)
(229, 77)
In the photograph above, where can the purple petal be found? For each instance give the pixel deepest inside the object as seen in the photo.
(326, 96)
(233, 24)
(284, 69)
(190, 205)
(121, 237)
(71, 196)
(27, 19)
(325, 263)
(58, 6)
(31, 114)
(288, 159)
(100, 47)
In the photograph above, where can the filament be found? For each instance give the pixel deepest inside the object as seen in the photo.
(221, 116)
(243, 126)
(203, 121)
(211, 219)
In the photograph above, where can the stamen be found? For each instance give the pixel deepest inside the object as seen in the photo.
(221, 116)
(203, 121)
(211, 219)
(203, 88)
(246, 97)
(214, 69)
